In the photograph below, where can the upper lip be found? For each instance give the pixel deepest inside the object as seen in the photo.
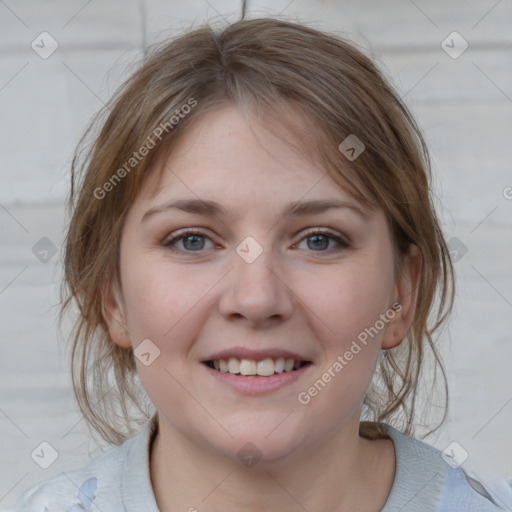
(257, 355)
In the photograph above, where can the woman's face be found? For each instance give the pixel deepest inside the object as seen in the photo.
(270, 273)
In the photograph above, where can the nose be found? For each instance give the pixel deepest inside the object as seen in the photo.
(256, 293)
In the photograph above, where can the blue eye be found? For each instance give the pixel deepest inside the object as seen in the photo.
(319, 241)
(192, 241)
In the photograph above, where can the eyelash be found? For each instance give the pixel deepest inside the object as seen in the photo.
(342, 244)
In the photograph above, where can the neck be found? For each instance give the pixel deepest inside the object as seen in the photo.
(333, 476)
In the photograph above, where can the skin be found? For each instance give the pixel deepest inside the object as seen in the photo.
(295, 296)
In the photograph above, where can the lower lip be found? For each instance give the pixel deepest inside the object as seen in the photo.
(255, 384)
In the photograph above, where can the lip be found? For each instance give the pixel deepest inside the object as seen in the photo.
(255, 384)
(257, 355)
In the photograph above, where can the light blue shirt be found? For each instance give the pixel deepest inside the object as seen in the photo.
(119, 481)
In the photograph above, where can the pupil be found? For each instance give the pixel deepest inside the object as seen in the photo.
(319, 241)
(195, 242)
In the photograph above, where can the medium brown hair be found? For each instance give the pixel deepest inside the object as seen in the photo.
(265, 67)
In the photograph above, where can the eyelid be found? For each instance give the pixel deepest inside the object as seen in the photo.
(326, 231)
(180, 234)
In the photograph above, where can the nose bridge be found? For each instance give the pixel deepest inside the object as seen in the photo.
(256, 291)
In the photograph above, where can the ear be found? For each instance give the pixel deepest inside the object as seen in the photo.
(113, 311)
(405, 295)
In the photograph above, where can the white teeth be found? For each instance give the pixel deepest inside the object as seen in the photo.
(264, 368)
(233, 365)
(279, 365)
(247, 367)
(288, 365)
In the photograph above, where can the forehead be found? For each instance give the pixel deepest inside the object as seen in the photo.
(238, 160)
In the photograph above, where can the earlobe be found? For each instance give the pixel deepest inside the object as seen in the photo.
(113, 311)
(406, 294)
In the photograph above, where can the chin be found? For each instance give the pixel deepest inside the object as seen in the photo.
(263, 443)
(261, 453)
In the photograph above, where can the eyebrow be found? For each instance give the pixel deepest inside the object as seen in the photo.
(295, 208)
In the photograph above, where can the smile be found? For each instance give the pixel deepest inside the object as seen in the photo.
(263, 368)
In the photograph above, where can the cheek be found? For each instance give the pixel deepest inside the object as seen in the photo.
(162, 303)
(159, 296)
(346, 308)
(351, 300)
(347, 315)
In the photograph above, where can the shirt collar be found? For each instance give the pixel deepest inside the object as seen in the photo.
(419, 477)
(136, 488)
(418, 484)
